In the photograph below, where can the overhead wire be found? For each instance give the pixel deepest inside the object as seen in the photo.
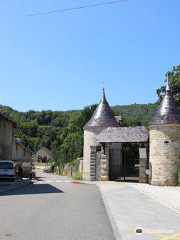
(69, 9)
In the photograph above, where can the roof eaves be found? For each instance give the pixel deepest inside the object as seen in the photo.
(27, 149)
(9, 119)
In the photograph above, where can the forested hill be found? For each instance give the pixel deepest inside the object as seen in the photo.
(138, 114)
(62, 131)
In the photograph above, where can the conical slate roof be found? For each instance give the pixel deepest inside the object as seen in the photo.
(102, 116)
(168, 112)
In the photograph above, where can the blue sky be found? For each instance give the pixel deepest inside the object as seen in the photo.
(60, 61)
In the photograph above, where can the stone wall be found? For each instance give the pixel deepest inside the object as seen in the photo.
(164, 154)
(22, 157)
(89, 140)
(20, 153)
(80, 166)
(143, 165)
(105, 162)
(6, 138)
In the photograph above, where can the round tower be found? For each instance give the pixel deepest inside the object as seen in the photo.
(165, 142)
(101, 118)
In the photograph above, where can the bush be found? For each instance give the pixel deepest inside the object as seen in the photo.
(77, 176)
(50, 169)
(178, 176)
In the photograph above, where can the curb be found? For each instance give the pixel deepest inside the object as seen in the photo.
(16, 187)
(111, 218)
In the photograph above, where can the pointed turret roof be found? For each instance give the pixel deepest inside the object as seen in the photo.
(102, 116)
(168, 112)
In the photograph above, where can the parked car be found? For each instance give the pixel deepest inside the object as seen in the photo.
(7, 170)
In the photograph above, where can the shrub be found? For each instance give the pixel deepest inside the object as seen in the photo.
(178, 176)
(77, 176)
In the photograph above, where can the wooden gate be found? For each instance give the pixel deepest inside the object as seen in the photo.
(115, 164)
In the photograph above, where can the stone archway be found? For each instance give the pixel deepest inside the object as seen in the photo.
(101, 162)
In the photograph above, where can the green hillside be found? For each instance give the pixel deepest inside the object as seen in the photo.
(62, 131)
(49, 128)
(138, 114)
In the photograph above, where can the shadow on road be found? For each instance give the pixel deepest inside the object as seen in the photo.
(40, 178)
(128, 180)
(33, 189)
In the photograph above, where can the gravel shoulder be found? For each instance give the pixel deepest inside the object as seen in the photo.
(133, 206)
(168, 196)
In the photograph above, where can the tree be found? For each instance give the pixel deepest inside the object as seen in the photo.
(174, 82)
(72, 137)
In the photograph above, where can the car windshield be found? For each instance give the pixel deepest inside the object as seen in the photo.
(6, 165)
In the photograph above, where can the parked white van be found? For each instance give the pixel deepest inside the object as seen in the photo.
(7, 170)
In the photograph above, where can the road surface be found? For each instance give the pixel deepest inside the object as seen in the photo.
(54, 209)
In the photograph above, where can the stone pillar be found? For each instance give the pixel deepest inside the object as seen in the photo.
(164, 154)
(105, 162)
(93, 164)
(143, 165)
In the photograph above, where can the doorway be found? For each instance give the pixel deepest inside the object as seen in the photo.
(124, 162)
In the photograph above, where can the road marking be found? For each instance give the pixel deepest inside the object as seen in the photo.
(58, 181)
(171, 237)
(160, 235)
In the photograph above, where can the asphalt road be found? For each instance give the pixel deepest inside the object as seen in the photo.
(54, 209)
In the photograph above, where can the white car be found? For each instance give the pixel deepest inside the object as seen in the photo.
(7, 170)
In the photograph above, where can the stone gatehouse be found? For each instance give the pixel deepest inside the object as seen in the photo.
(159, 148)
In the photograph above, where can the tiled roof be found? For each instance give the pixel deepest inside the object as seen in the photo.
(123, 135)
(168, 112)
(102, 116)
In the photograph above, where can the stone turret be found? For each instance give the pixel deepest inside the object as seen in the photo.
(165, 142)
(101, 119)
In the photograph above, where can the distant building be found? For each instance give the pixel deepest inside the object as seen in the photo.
(7, 126)
(42, 155)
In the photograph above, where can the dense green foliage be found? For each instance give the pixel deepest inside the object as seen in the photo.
(77, 176)
(174, 82)
(178, 176)
(37, 129)
(62, 132)
(136, 114)
(71, 137)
